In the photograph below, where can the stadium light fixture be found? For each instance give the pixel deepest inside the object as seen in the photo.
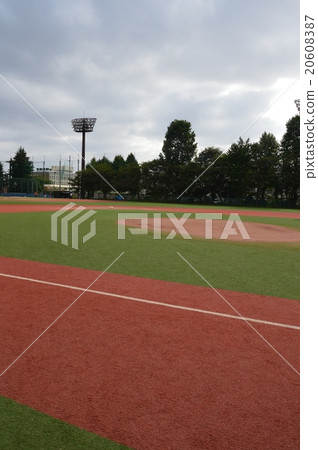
(83, 125)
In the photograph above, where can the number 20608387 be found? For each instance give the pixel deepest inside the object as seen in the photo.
(309, 46)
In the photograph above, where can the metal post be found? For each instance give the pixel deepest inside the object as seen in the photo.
(69, 173)
(83, 149)
(43, 173)
(60, 174)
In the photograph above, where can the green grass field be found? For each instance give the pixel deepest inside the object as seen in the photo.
(269, 269)
(261, 268)
(24, 428)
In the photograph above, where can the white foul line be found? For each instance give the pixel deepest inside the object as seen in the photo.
(247, 321)
(59, 316)
(152, 302)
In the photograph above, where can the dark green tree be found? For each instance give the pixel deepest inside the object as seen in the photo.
(208, 156)
(238, 170)
(128, 176)
(127, 179)
(2, 181)
(21, 166)
(210, 186)
(107, 172)
(264, 165)
(131, 159)
(290, 160)
(91, 181)
(179, 146)
(153, 180)
(123, 175)
(83, 181)
(118, 162)
(96, 162)
(92, 163)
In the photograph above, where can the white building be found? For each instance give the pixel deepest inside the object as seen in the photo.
(60, 175)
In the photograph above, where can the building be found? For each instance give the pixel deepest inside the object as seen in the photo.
(60, 175)
(56, 176)
(44, 174)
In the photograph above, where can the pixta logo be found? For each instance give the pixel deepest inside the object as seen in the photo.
(232, 226)
(64, 224)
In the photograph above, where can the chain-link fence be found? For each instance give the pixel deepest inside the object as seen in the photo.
(19, 185)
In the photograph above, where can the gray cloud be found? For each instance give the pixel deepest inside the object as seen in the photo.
(137, 66)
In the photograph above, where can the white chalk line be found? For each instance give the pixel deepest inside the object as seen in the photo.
(152, 302)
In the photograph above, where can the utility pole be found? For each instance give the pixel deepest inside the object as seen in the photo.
(69, 173)
(43, 176)
(60, 174)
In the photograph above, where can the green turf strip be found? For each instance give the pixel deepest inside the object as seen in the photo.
(261, 268)
(22, 427)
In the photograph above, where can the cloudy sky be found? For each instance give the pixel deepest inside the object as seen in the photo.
(136, 65)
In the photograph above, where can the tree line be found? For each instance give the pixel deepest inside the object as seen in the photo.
(19, 177)
(256, 173)
(249, 173)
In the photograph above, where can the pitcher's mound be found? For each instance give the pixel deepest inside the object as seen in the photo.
(256, 232)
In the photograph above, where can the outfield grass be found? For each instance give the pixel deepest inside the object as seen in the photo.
(24, 428)
(261, 268)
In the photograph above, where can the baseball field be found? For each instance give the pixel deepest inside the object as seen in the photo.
(161, 331)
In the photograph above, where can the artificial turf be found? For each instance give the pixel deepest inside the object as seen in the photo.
(25, 428)
(260, 268)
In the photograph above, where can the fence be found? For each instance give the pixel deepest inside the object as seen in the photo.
(19, 185)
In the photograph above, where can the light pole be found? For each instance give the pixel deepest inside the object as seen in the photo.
(83, 125)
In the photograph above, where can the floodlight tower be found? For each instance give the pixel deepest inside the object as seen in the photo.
(83, 125)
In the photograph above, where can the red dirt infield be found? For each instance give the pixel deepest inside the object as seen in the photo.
(147, 375)
(255, 232)
(43, 205)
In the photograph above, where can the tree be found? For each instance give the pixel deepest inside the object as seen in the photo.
(129, 176)
(118, 162)
(131, 159)
(153, 179)
(238, 170)
(127, 179)
(264, 164)
(290, 160)
(179, 146)
(21, 166)
(122, 175)
(2, 180)
(96, 162)
(211, 184)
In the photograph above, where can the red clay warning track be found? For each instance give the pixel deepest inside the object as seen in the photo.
(43, 205)
(147, 375)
